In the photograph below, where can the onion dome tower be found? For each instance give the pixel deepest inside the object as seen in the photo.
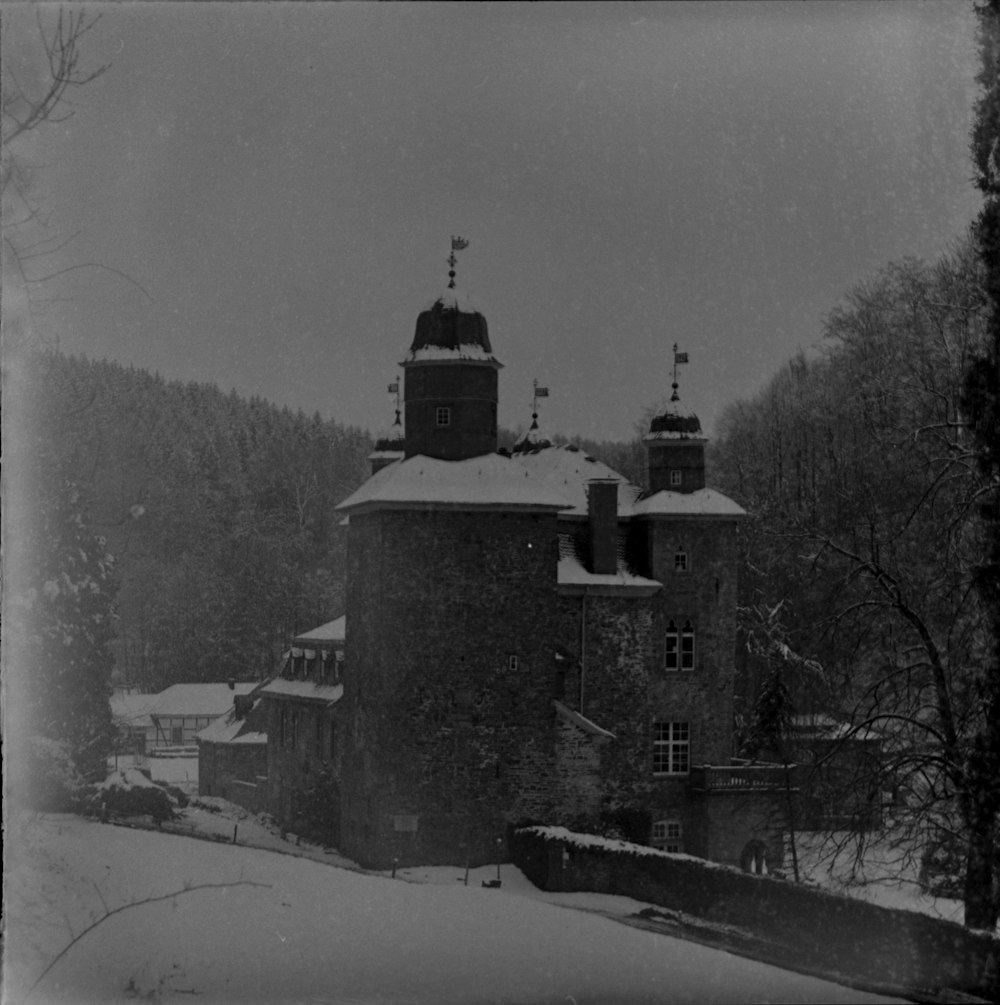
(675, 445)
(451, 379)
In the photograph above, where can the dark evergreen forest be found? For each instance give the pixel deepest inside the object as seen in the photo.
(218, 511)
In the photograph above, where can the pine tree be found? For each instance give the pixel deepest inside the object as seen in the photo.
(67, 621)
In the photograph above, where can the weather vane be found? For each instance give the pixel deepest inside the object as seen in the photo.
(457, 244)
(536, 393)
(680, 358)
(394, 389)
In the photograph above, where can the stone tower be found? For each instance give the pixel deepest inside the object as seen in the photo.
(451, 383)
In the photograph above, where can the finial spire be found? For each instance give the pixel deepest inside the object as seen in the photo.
(457, 244)
(679, 359)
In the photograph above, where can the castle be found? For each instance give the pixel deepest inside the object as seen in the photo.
(527, 637)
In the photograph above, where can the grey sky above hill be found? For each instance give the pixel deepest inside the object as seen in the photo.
(282, 181)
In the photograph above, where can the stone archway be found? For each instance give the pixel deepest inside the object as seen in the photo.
(754, 857)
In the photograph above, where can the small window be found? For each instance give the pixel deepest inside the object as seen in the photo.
(687, 646)
(672, 656)
(512, 662)
(675, 478)
(680, 561)
(442, 416)
(319, 736)
(282, 725)
(668, 835)
(671, 748)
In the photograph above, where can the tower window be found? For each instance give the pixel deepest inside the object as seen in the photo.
(671, 748)
(442, 416)
(512, 662)
(687, 646)
(672, 657)
(675, 478)
(680, 561)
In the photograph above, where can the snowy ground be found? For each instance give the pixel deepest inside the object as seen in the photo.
(279, 928)
(884, 877)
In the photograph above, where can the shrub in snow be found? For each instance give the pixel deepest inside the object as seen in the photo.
(129, 793)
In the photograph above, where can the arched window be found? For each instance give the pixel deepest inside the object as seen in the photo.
(672, 655)
(687, 646)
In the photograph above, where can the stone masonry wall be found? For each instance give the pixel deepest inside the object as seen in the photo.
(444, 732)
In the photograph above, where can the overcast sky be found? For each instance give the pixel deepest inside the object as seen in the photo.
(283, 180)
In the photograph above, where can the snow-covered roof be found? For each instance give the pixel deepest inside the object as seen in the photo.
(568, 469)
(490, 481)
(229, 728)
(332, 631)
(701, 502)
(469, 352)
(573, 575)
(281, 687)
(133, 709)
(568, 714)
(198, 699)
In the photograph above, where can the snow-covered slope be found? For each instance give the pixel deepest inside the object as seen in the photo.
(315, 933)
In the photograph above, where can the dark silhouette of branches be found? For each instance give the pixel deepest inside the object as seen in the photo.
(110, 913)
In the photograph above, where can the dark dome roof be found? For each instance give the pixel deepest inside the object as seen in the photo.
(671, 423)
(449, 324)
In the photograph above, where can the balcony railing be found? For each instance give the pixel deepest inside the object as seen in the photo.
(739, 777)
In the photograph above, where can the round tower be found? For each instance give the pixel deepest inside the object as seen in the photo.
(451, 383)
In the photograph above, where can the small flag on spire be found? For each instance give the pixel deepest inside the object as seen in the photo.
(680, 357)
(394, 387)
(541, 392)
(459, 243)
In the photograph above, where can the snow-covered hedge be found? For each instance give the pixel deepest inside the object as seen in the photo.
(130, 793)
(813, 927)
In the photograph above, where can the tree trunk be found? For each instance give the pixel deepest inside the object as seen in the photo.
(980, 896)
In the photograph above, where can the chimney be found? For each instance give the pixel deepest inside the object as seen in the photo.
(602, 515)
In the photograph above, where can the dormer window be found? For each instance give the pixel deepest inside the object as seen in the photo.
(442, 416)
(675, 478)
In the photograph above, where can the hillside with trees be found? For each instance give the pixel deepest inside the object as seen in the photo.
(860, 468)
(219, 511)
